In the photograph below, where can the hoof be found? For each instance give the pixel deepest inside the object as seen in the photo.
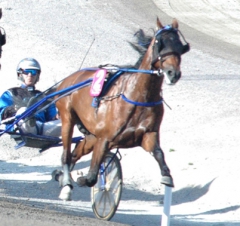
(56, 174)
(81, 181)
(66, 193)
(167, 180)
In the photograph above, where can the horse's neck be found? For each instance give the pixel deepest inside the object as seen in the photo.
(149, 86)
(143, 87)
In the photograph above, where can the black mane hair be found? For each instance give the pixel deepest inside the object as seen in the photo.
(141, 45)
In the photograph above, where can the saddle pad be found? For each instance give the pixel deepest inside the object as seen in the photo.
(97, 83)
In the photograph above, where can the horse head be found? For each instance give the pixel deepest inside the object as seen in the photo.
(167, 51)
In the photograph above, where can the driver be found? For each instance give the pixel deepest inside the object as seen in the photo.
(14, 101)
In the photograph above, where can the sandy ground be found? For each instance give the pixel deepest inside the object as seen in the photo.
(199, 135)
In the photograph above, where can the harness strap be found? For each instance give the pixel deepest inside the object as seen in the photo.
(143, 104)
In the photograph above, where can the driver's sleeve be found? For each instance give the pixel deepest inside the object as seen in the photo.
(51, 113)
(6, 100)
(47, 115)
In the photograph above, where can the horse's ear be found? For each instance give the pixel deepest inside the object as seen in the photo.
(159, 24)
(175, 23)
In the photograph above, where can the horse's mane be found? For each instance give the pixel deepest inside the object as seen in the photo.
(141, 45)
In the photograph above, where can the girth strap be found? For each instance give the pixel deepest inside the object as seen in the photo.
(143, 104)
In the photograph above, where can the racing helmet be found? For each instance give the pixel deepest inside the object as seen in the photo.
(28, 63)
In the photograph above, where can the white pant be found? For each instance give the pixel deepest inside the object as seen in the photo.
(52, 128)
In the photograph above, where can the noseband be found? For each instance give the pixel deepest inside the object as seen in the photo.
(157, 46)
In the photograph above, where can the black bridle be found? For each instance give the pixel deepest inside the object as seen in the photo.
(158, 47)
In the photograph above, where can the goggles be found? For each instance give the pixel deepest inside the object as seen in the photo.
(33, 72)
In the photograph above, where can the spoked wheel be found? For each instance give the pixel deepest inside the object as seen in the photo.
(106, 193)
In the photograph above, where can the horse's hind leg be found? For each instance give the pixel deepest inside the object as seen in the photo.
(83, 148)
(99, 150)
(150, 144)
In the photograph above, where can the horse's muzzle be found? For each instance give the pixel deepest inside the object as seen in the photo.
(172, 76)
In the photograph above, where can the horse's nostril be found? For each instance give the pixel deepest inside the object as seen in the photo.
(172, 76)
(170, 73)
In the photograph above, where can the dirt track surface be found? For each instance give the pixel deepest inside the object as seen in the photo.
(19, 214)
(202, 127)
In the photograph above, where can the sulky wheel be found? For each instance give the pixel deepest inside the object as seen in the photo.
(106, 193)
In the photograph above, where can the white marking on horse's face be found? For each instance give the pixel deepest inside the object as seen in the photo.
(167, 80)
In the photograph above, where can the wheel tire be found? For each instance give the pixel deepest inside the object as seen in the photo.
(105, 201)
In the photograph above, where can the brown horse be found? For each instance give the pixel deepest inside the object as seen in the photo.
(127, 114)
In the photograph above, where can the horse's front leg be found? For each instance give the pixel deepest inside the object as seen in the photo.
(165, 171)
(99, 150)
(65, 179)
(84, 147)
(150, 143)
(66, 183)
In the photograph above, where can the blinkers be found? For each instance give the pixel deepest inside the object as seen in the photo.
(163, 50)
